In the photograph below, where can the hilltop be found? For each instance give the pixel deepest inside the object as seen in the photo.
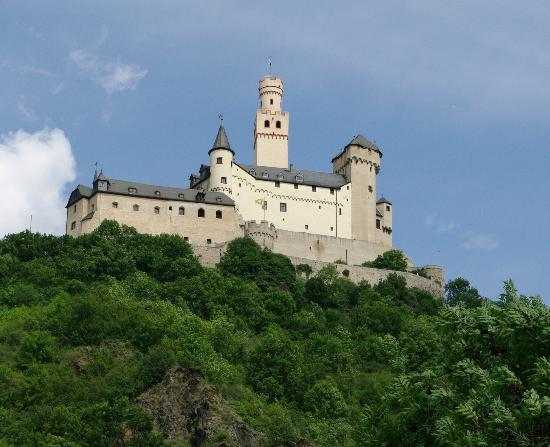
(119, 338)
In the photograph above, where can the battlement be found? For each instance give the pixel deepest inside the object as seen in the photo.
(263, 233)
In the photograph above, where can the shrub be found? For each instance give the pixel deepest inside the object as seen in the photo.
(390, 260)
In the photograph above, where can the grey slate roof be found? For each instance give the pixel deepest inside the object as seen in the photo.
(152, 191)
(312, 178)
(360, 140)
(383, 200)
(221, 141)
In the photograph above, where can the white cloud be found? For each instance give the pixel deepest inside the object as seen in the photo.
(479, 241)
(34, 169)
(429, 220)
(444, 227)
(111, 75)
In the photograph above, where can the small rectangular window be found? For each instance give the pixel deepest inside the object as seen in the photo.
(340, 211)
(74, 209)
(115, 204)
(73, 225)
(331, 228)
(277, 184)
(295, 186)
(387, 207)
(209, 241)
(347, 187)
(378, 223)
(314, 188)
(185, 238)
(219, 160)
(224, 180)
(307, 227)
(332, 190)
(283, 207)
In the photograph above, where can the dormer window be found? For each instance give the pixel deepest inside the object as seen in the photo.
(252, 171)
(266, 124)
(157, 193)
(132, 190)
(299, 178)
(265, 174)
(181, 195)
(102, 185)
(280, 176)
(219, 199)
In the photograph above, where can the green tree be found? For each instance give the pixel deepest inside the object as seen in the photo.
(459, 291)
(389, 260)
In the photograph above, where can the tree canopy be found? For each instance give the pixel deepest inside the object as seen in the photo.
(87, 324)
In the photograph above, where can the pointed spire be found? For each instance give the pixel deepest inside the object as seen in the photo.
(221, 141)
(95, 172)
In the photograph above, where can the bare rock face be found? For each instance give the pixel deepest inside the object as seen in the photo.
(185, 407)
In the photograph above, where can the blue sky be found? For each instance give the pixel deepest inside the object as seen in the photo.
(456, 94)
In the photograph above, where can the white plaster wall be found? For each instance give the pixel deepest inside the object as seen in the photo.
(318, 210)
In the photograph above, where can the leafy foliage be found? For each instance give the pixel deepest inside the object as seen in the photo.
(389, 260)
(88, 324)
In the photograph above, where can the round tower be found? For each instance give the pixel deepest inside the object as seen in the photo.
(271, 93)
(271, 125)
(221, 161)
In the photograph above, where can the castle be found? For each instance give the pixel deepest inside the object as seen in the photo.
(319, 216)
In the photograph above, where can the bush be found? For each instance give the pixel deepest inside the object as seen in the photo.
(390, 260)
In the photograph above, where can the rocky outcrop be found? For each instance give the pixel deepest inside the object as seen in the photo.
(186, 407)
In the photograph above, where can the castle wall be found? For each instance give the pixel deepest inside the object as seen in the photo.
(326, 248)
(190, 226)
(210, 256)
(374, 276)
(319, 210)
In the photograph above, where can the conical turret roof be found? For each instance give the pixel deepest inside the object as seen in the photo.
(221, 141)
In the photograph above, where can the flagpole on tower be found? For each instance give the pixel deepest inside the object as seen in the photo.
(269, 61)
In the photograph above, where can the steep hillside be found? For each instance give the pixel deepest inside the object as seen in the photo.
(118, 338)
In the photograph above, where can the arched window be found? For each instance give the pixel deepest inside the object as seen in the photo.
(157, 210)
(136, 207)
(278, 124)
(200, 212)
(218, 214)
(115, 204)
(181, 211)
(271, 101)
(266, 123)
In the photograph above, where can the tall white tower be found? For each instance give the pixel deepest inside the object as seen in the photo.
(271, 125)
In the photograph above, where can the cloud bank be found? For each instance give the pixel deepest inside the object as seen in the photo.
(34, 169)
(111, 75)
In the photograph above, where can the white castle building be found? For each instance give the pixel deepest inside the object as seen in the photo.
(321, 216)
